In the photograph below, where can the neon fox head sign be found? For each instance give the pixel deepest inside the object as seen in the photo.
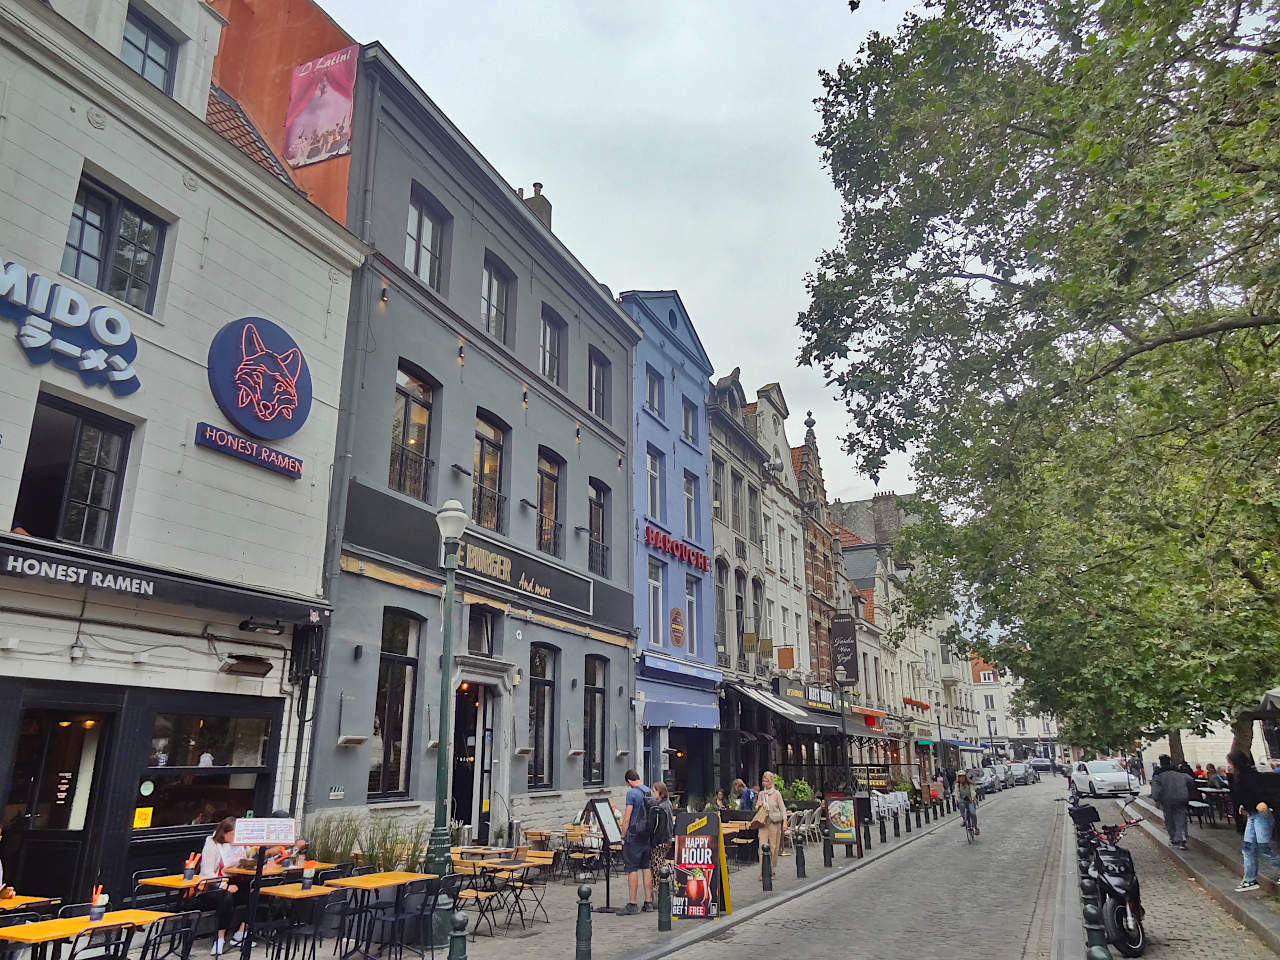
(259, 378)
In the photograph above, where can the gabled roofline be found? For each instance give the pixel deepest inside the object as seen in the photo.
(700, 357)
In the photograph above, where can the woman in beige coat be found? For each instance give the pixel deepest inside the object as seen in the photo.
(775, 819)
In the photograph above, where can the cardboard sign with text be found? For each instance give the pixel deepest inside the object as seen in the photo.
(700, 881)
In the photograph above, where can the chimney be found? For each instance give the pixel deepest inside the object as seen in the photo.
(884, 516)
(540, 205)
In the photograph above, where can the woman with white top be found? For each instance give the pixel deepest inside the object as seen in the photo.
(220, 852)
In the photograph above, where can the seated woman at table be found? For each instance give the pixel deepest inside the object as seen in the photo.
(220, 853)
(1216, 779)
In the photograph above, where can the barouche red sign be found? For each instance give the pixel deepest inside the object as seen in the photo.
(681, 551)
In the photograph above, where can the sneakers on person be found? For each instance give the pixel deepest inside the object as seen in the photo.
(630, 910)
(647, 907)
(1244, 886)
(218, 946)
(237, 938)
(1183, 846)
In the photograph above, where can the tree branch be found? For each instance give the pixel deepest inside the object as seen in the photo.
(1180, 336)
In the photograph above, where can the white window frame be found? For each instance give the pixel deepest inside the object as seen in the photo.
(655, 602)
(691, 614)
(690, 506)
(987, 676)
(653, 495)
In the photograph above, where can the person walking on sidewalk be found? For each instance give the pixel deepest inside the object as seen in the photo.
(1255, 795)
(635, 845)
(774, 808)
(1173, 790)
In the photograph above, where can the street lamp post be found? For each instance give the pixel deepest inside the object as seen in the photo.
(842, 677)
(937, 705)
(451, 518)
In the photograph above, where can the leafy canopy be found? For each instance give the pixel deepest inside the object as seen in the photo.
(1057, 287)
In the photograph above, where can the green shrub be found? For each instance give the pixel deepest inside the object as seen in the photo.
(332, 837)
(801, 792)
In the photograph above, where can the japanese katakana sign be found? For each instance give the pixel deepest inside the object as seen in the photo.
(56, 322)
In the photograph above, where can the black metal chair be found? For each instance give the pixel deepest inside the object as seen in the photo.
(403, 913)
(143, 896)
(171, 937)
(363, 871)
(74, 910)
(108, 942)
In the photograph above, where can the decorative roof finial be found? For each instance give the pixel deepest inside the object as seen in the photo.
(809, 436)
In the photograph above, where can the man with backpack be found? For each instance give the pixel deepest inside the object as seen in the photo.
(636, 848)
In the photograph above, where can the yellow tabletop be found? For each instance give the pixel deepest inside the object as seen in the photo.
(18, 900)
(173, 881)
(507, 864)
(377, 881)
(65, 928)
(486, 851)
(274, 869)
(294, 891)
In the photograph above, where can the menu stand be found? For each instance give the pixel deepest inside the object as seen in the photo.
(246, 945)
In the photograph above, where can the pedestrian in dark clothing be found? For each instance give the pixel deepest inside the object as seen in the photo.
(1255, 795)
(1173, 790)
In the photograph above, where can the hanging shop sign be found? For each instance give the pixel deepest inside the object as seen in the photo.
(875, 776)
(261, 383)
(844, 644)
(892, 726)
(677, 627)
(483, 559)
(806, 695)
(701, 880)
(672, 546)
(57, 323)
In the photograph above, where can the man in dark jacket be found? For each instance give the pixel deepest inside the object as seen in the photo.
(1173, 790)
(1254, 795)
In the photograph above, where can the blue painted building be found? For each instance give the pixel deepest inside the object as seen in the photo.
(676, 681)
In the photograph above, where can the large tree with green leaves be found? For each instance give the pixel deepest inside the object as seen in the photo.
(1057, 287)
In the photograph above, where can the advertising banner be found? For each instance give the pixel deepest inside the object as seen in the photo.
(842, 813)
(318, 123)
(700, 882)
(844, 645)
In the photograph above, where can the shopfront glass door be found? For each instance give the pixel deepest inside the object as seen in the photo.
(473, 758)
(48, 812)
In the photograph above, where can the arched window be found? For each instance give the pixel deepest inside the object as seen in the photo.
(487, 497)
(594, 685)
(410, 434)
(550, 468)
(542, 706)
(740, 605)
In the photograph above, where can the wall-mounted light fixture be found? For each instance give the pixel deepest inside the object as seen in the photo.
(524, 398)
(253, 626)
(577, 434)
(385, 296)
(462, 353)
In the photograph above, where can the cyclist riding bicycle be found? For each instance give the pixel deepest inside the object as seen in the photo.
(966, 797)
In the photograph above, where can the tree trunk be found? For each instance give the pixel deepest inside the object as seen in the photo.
(1175, 747)
(1242, 735)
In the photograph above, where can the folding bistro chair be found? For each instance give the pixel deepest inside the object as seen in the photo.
(108, 942)
(477, 891)
(171, 938)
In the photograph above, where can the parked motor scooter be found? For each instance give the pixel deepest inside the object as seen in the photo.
(1112, 870)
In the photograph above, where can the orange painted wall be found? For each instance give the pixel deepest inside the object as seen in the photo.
(262, 43)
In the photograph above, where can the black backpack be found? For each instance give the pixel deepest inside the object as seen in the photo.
(658, 821)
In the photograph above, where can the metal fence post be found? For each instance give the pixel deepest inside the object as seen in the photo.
(583, 949)
(917, 812)
(866, 834)
(828, 850)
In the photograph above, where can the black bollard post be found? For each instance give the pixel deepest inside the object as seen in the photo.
(458, 938)
(828, 850)
(766, 868)
(897, 832)
(917, 812)
(866, 834)
(906, 816)
(1088, 890)
(664, 897)
(799, 847)
(884, 837)
(583, 949)
(1095, 934)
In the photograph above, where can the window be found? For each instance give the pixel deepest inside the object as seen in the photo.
(768, 541)
(653, 391)
(495, 296)
(148, 51)
(717, 489)
(877, 676)
(542, 706)
(757, 602)
(740, 605)
(72, 476)
(689, 420)
(595, 683)
(551, 347)
(549, 525)
(653, 495)
(195, 740)
(1022, 725)
(691, 587)
(796, 569)
(392, 740)
(201, 768)
(988, 676)
(786, 627)
(410, 436)
(768, 619)
(486, 498)
(722, 599)
(867, 675)
(424, 239)
(690, 506)
(114, 245)
(753, 514)
(735, 492)
(480, 630)
(782, 560)
(799, 630)
(655, 602)
(989, 701)
(598, 383)
(597, 528)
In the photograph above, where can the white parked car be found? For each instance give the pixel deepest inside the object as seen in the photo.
(1102, 777)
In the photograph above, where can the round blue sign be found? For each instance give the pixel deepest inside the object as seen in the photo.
(259, 378)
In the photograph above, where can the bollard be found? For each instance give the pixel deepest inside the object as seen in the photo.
(799, 848)
(1088, 891)
(866, 834)
(664, 897)
(828, 850)
(1098, 953)
(583, 949)
(458, 938)
(884, 837)
(1095, 935)
(848, 849)
(907, 817)
(917, 818)
(766, 869)
(896, 831)
(946, 804)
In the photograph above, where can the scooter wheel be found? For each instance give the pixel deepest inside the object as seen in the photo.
(1130, 943)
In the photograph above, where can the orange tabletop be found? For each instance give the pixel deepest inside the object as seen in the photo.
(377, 881)
(65, 928)
(17, 900)
(274, 869)
(294, 891)
(173, 881)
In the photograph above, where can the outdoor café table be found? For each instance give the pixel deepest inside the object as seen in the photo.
(39, 935)
(730, 827)
(483, 852)
(366, 888)
(17, 900)
(274, 869)
(173, 881)
(1220, 797)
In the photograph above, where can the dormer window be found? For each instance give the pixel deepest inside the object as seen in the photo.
(149, 52)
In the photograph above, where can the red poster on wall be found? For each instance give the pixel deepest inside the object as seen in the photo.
(318, 123)
(700, 888)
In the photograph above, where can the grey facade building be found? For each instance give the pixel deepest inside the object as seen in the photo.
(483, 364)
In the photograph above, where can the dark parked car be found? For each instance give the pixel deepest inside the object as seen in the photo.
(1022, 773)
(1041, 764)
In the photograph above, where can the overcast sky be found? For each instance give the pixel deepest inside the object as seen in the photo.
(675, 142)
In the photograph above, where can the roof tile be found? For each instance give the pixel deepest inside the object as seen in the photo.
(231, 123)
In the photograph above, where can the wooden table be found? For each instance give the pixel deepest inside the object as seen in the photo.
(173, 881)
(294, 891)
(274, 869)
(39, 935)
(18, 900)
(1219, 801)
(483, 851)
(729, 827)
